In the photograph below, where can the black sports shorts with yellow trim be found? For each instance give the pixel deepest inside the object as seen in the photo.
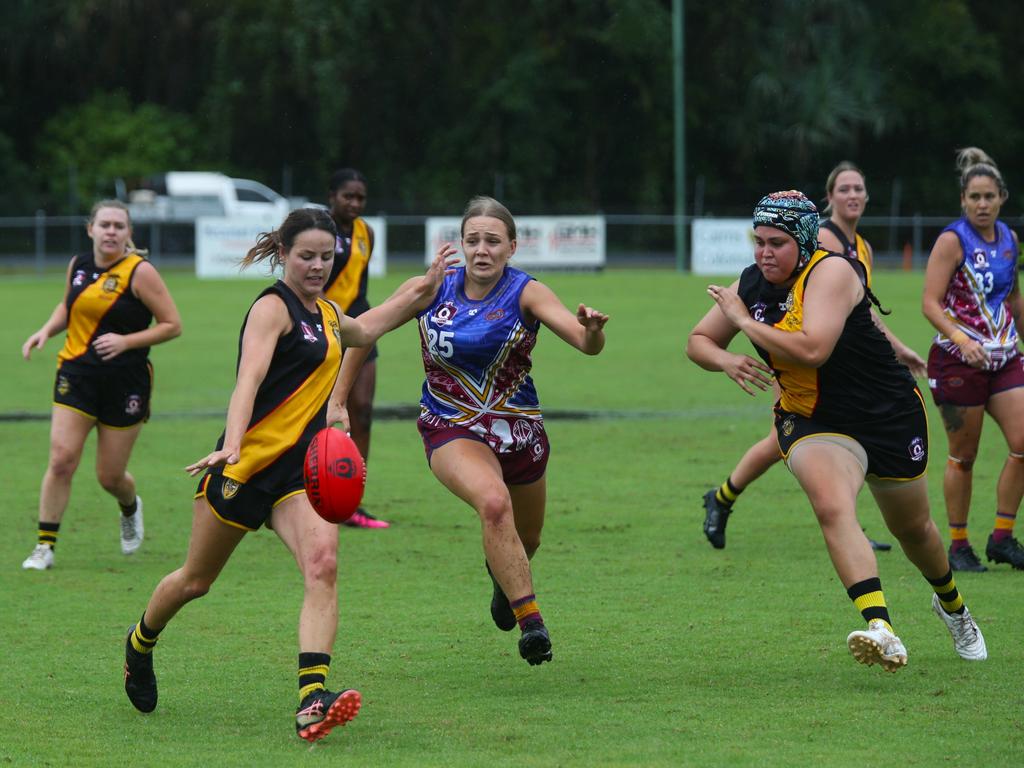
(116, 396)
(242, 505)
(897, 448)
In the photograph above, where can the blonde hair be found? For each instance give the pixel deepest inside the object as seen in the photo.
(481, 205)
(972, 162)
(130, 246)
(830, 182)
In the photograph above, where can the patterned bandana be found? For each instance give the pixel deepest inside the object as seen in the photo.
(795, 215)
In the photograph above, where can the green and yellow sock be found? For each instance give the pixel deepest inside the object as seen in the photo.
(949, 596)
(868, 598)
(313, 669)
(48, 534)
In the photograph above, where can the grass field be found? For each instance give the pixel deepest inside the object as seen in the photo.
(667, 652)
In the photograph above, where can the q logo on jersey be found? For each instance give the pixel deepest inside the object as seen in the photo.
(443, 314)
(307, 332)
(916, 448)
(757, 311)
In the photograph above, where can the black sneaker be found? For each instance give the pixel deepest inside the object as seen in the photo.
(1008, 550)
(322, 711)
(716, 515)
(501, 612)
(139, 680)
(535, 644)
(964, 559)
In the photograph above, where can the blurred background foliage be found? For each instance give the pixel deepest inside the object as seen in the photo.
(551, 105)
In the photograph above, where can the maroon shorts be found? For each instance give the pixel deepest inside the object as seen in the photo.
(954, 382)
(523, 455)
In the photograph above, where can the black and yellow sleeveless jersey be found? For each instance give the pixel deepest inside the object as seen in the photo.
(99, 301)
(855, 251)
(860, 382)
(291, 402)
(346, 285)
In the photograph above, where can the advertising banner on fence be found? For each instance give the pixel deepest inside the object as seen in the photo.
(557, 242)
(721, 246)
(222, 242)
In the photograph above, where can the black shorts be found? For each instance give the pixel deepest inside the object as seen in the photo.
(240, 505)
(897, 448)
(116, 396)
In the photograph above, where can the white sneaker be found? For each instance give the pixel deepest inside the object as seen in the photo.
(877, 645)
(40, 559)
(132, 529)
(967, 639)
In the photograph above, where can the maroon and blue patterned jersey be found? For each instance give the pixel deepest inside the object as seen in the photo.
(476, 355)
(976, 298)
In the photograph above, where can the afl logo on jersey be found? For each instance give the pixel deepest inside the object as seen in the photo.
(307, 332)
(110, 284)
(443, 314)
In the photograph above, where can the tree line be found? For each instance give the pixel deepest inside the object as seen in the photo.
(552, 105)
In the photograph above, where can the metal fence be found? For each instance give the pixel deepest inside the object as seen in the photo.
(40, 243)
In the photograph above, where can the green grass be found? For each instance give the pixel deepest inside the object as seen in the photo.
(667, 652)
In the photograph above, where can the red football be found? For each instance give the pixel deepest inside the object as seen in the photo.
(335, 475)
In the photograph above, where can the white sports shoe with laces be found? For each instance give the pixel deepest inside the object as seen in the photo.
(132, 529)
(967, 638)
(877, 645)
(40, 559)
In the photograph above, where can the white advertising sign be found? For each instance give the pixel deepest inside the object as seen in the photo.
(563, 242)
(721, 246)
(222, 242)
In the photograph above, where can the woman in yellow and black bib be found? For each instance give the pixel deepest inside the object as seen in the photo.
(346, 286)
(104, 378)
(289, 355)
(848, 412)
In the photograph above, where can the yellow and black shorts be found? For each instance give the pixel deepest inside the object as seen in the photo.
(896, 448)
(242, 505)
(116, 396)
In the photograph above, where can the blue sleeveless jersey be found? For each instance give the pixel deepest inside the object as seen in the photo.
(976, 298)
(476, 355)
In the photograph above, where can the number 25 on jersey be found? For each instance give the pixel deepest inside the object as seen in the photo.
(439, 343)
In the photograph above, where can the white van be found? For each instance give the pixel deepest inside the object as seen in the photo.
(183, 196)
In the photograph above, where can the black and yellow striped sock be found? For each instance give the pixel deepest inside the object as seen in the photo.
(143, 638)
(727, 493)
(48, 534)
(313, 669)
(949, 595)
(868, 598)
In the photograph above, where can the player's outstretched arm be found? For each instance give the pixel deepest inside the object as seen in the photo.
(583, 330)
